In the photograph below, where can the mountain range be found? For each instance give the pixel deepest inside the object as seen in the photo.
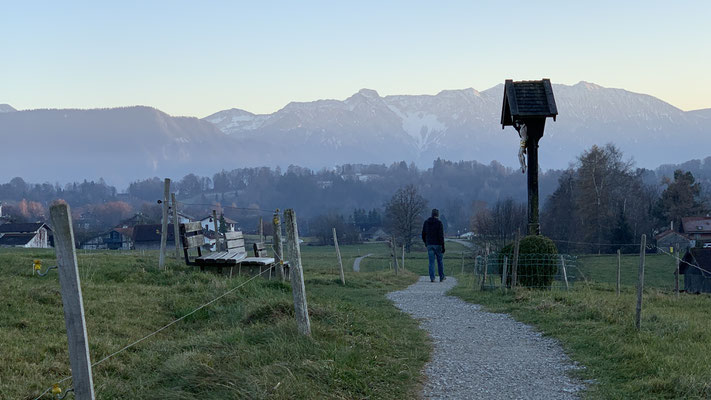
(124, 144)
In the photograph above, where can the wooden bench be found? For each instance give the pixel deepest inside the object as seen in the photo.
(233, 257)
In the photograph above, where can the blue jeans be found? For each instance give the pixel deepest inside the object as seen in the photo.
(435, 250)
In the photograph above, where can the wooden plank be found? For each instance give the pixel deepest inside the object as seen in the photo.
(193, 241)
(233, 235)
(70, 286)
(192, 227)
(234, 243)
(258, 260)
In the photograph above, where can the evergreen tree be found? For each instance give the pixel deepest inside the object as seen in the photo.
(622, 234)
(223, 224)
(681, 198)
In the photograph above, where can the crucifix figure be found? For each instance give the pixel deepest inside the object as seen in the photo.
(526, 106)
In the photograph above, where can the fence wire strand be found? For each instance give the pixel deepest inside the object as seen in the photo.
(164, 327)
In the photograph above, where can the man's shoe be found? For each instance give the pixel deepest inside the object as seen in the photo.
(442, 278)
(431, 280)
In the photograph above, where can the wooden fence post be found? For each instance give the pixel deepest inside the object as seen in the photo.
(392, 241)
(640, 284)
(403, 256)
(297, 273)
(676, 277)
(217, 231)
(164, 224)
(486, 267)
(70, 286)
(504, 272)
(261, 230)
(338, 253)
(278, 248)
(565, 273)
(514, 267)
(462, 261)
(619, 268)
(176, 227)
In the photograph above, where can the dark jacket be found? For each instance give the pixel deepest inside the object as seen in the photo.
(433, 232)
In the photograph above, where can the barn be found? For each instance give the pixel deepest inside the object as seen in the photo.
(671, 241)
(696, 268)
(115, 239)
(31, 235)
(147, 237)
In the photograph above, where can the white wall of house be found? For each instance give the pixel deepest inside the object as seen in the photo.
(210, 226)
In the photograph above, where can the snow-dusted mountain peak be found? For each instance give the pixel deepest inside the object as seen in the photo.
(5, 108)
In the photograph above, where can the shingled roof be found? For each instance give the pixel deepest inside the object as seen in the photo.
(151, 233)
(30, 227)
(526, 99)
(19, 239)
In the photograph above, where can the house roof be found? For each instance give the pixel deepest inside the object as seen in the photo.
(22, 227)
(16, 239)
(696, 224)
(125, 231)
(150, 233)
(526, 99)
(228, 220)
(696, 257)
(669, 232)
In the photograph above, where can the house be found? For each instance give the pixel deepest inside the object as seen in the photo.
(115, 239)
(671, 241)
(34, 235)
(137, 219)
(209, 225)
(147, 237)
(184, 218)
(696, 268)
(697, 228)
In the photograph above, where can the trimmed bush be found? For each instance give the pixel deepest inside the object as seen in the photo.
(537, 262)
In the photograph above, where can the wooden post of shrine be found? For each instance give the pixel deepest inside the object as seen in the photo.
(526, 106)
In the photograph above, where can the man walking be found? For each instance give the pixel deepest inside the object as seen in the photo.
(433, 236)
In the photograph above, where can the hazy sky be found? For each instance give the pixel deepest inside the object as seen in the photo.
(196, 58)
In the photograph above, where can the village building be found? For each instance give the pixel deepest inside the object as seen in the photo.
(673, 242)
(209, 225)
(696, 268)
(115, 239)
(31, 235)
(697, 229)
(136, 219)
(147, 237)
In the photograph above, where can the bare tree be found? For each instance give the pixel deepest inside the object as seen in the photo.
(403, 214)
(499, 223)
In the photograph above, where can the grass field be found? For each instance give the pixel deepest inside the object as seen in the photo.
(667, 359)
(243, 346)
(658, 270)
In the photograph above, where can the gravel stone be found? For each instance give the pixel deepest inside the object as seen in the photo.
(482, 355)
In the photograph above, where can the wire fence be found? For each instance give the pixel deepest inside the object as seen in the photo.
(540, 271)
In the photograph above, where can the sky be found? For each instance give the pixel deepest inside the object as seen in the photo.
(196, 58)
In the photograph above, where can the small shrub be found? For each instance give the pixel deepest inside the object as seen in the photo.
(537, 261)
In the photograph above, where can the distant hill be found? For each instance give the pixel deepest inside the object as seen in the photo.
(125, 144)
(464, 124)
(6, 108)
(120, 144)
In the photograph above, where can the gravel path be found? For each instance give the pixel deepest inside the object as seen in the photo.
(356, 263)
(481, 355)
